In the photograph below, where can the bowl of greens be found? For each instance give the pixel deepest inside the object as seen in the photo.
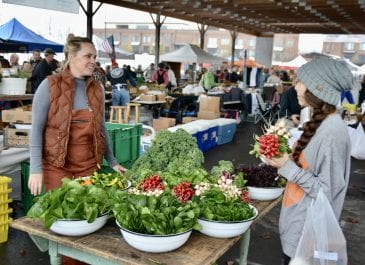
(155, 217)
(264, 194)
(263, 181)
(226, 229)
(73, 206)
(77, 227)
(154, 243)
(224, 207)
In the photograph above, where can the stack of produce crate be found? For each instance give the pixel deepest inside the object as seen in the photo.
(4, 208)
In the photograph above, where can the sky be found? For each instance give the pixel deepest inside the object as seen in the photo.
(56, 25)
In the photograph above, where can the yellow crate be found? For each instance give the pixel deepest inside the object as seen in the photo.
(4, 215)
(4, 230)
(4, 195)
(4, 182)
(4, 204)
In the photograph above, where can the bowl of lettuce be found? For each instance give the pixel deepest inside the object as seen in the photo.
(77, 227)
(81, 208)
(225, 211)
(154, 243)
(264, 194)
(155, 218)
(263, 181)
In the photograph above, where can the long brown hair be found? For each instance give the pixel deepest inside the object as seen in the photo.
(321, 110)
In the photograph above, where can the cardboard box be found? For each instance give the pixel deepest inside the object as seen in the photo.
(208, 115)
(132, 89)
(16, 137)
(163, 123)
(188, 119)
(209, 103)
(145, 97)
(18, 115)
(160, 97)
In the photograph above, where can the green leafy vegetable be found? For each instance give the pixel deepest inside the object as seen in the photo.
(176, 153)
(162, 215)
(223, 166)
(71, 201)
(214, 205)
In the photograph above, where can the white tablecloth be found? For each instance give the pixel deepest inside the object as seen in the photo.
(10, 158)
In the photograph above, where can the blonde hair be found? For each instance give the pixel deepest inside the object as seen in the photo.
(73, 45)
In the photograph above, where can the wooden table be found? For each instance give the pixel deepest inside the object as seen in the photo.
(149, 102)
(107, 247)
(18, 98)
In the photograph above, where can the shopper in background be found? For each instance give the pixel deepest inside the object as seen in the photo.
(207, 79)
(149, 72)
(172, 78)
(289, 106)
(43, 69)
(362, 92)
(321, 157)
(14, 61)
(36, 58)
(118, 79)
(274, 78)
(160, 76)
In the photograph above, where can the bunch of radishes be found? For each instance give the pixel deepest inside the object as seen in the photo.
(225, 184)
(183, 191)
(274, 142)
(152, 185)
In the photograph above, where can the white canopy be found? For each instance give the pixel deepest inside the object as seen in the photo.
(119, 53)
(190, 53)
(295, 63)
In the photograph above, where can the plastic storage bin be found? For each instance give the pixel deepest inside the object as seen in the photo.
(4, 208)
(27, 197)
(193, 130)
(125, 141)
(202, 134)
(226, 130)
(210, 140)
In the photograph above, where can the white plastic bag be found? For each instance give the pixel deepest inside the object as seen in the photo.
(322, 241)
(357, 137)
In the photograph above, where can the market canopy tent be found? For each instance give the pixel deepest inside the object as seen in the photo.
(101, 53)
(14, 32)
(12, 47)
(294, 64)
(190, 53)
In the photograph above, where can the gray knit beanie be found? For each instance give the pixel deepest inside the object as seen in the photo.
(326, 78)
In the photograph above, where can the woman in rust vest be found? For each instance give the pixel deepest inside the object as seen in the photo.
(68, 137)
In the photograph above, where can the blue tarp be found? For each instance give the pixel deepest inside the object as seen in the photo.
(15, 32)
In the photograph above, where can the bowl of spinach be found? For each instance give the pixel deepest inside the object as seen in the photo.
(225, 212)
(155, 218)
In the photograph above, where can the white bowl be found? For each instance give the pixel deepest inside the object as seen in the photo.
(220, 229)
(78, 227)
(22, 126)
(154, 243)
(264, 194)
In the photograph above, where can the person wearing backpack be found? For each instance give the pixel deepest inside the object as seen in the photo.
(160, 76)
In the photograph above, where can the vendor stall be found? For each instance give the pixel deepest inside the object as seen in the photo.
(107, 247)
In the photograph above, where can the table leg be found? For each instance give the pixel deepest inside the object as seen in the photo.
(245, 242)
(41, 243)
(55, 258)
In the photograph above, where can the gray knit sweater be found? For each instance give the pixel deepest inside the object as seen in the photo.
(40, 108)
(328, 158)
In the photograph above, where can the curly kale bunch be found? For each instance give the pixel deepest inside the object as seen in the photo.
(169, 152)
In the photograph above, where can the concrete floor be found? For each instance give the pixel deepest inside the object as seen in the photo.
(265, 246)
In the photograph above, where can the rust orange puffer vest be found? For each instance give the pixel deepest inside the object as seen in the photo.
(56, 133)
